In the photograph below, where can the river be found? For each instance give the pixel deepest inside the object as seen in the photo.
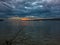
(47, 32)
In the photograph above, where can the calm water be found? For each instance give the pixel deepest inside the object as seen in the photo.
(47, 32)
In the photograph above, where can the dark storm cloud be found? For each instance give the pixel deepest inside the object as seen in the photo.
(42, 8)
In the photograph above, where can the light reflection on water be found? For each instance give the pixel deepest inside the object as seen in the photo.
(37, 30)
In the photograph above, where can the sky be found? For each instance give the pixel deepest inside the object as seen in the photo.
(40, 8)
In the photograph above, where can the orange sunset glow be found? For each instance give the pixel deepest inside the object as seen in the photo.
(25, 19)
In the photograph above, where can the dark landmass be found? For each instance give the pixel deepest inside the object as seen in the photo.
(48, 19)
(45, 19)
(1, 19)
(53, 19)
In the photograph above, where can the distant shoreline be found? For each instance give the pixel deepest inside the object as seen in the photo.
(57, 19)
(1, 19)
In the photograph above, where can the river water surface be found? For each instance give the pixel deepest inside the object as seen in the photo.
(45, 32)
